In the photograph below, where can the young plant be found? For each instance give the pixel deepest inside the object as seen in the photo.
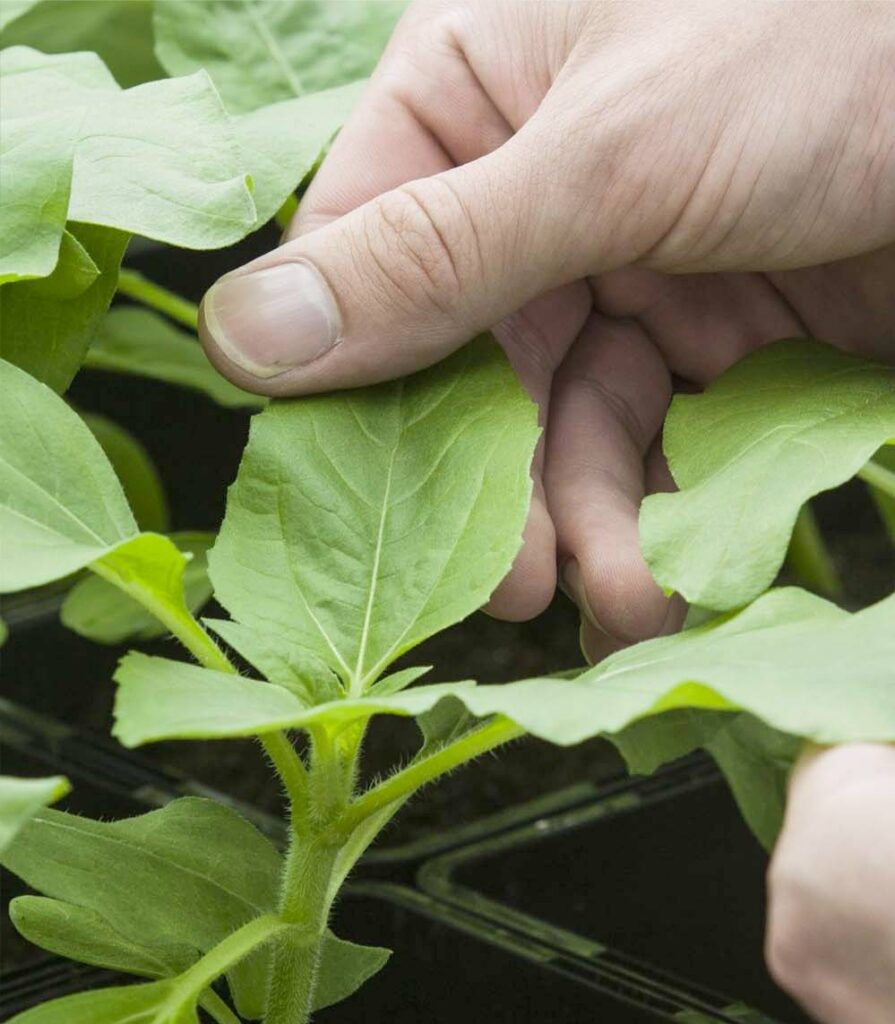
(359, 525)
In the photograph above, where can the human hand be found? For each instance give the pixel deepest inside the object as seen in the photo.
(631, 193)
(831, 921)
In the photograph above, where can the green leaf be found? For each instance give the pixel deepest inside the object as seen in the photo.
(280, 661)
(12, 9)
(796, 662)
(158, 160)
(21, 799)
(36, 155)
(140, 342)
(61, 505)
(120, 33)
(201, 871)
(757, 762)
(82, 934)
(281, 143)
(171, 1001)
(791, 420)
(363, 522)
(135, 470)
(258, 53)
(47, 324)
(344, 967)
(96, 609)
(4, 632)
(159, 698)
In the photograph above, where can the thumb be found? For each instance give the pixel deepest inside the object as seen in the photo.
(393, 286)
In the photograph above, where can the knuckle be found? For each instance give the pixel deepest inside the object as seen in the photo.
(417, 236)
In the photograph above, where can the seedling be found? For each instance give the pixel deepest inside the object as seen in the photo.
(359, 525)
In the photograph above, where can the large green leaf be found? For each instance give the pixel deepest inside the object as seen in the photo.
(135, 470)
(282, 142)
(794, 661)
(47, 324)
(201, 871)
(259, 53)
(96, 609)
(21, 799)
(61, 505)
(790, 420)
(139, 341)
(120, 33)
(362, 523)
(158, 160)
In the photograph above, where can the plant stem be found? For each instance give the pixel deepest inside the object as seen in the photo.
(809, 556)
(190, 633)
(136, 286)
(879, 477)
(305, 901)
(500, 730)
(216, 1008)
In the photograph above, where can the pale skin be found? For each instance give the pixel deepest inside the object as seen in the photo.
(630, 194)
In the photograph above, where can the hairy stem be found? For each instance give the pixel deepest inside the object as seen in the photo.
(305, 902)
(879, 477)
(141, 289)
(809, 556)
(497, 732)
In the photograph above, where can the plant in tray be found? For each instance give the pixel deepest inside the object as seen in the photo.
(359, 525)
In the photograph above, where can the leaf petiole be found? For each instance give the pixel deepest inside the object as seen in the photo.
(879, 477)
(216, 1008)
(402, 784)
(136, 286)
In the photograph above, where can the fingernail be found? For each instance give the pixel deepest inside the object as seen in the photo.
(573, 586)
(273, 320)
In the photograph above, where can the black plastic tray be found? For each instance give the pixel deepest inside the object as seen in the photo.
(658, 877)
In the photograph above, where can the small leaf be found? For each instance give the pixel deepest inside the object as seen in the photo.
(61, 505)
(140, 342)
(397, 681)
(21, 799)
(48, 323)
(135, 470)
(344, 967)
(791, 420)
(259, 53)
(98, 610)
(281, 661)
(201, 871)
(363, 522)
